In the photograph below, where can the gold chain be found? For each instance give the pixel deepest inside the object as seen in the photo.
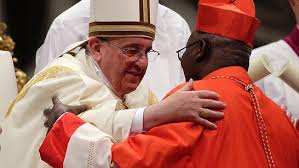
(260, 121)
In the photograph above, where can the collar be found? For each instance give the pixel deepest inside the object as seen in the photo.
(236, 72)
(101, 74)
(293, 40)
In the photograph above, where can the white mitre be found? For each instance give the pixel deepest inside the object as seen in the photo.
(139, 19)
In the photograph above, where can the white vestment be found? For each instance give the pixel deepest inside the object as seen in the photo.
(75, 81)
(278, 53)
(172, 33)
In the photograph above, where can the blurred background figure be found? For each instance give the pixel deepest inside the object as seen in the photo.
(279, 54)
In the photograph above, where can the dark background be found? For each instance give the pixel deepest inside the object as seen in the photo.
(28, 22)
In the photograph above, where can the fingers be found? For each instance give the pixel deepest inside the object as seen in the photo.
(290, 117)
(293, 121)
(55, 100)
(284, 108)
(205, 123)
(205, 94)
(202, 120)
(207, 113)
(188, 86)
(79, 109)
(212, 104)
(289, 114)
(46, 124)
(47, 112)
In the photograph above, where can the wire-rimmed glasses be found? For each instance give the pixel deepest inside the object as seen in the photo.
(132, 52)
(181, 51)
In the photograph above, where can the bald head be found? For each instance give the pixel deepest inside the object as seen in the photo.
(207, 52)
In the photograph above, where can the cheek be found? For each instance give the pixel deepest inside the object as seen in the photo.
(186, 65)
(188, 68)
(143, 64)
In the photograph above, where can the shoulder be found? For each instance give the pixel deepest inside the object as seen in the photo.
(65, 68)
(43, 86)
(65, 62)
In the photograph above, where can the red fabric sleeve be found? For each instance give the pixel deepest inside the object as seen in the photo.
(54, 146)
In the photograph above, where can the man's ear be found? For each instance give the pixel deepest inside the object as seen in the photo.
(94, 46)
(201, 50)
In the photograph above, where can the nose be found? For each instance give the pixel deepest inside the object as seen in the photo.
(142, 61)
(139, 56)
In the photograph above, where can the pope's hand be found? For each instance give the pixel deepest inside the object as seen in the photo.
(59, 109)
(201, 107)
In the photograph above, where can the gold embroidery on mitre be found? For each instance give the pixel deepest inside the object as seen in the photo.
(52, 72)
(121, 28)
(144, 11)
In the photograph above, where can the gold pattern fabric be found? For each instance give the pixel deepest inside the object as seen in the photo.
(152, 99)
(50, 73)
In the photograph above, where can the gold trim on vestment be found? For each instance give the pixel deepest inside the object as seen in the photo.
(52, 72)
(121, 28)
(152, 99)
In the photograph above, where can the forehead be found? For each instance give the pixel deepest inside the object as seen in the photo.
(133, 41)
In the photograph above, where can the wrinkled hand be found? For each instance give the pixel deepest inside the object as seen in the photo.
(201, 107)
(58, 109)
(198, 106)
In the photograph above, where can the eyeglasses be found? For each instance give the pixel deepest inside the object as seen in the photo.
(181, 52)
(150, 55)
